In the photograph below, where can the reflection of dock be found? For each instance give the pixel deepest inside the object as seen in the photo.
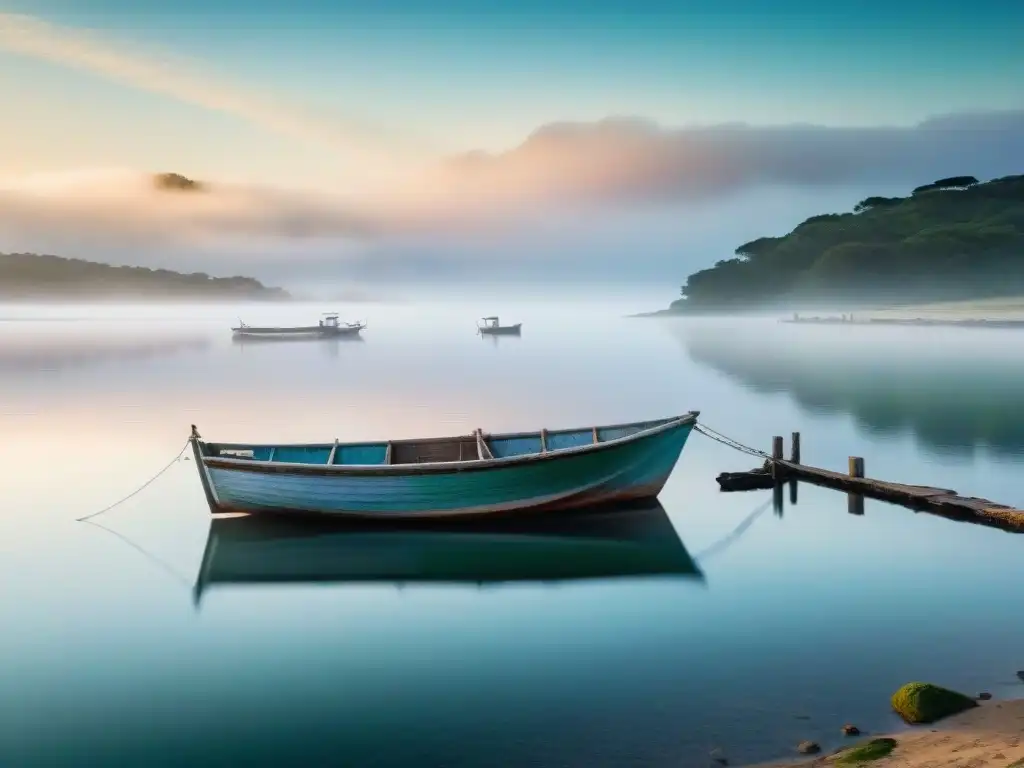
(619, 542)
(937, 501)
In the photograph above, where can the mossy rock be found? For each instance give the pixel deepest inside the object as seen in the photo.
(875, 749)
(926, 703)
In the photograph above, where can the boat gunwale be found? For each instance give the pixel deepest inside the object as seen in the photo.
(441, 467)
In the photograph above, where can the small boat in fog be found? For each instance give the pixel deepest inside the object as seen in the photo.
(618, 542)
(494, 327)
(328, 328)
(477, 474)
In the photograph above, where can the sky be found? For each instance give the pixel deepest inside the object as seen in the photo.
(454, 140)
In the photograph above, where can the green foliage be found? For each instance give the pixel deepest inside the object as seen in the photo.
(926, 703)
(952, 182)
(875, 202)
(952, 239)
(31, 276)
(956, 182)
(875, 749)
(757, 247)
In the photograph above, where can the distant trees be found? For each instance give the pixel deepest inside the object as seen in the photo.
(961, 245)
(28, 275)
(953, 182)
(757, 247)
(176, 182)
(876, 202)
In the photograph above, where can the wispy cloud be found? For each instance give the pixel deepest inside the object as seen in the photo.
(186, 81)
(632, 160)
(125, 206)
(621, 197)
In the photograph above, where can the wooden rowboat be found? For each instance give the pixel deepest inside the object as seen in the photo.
(618, 542)
(493, 326)
(329, 328)
(473, 474)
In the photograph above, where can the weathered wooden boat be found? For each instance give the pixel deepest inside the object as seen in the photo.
(477, 474)
(493, 326)
(617, 542)
(328, 328)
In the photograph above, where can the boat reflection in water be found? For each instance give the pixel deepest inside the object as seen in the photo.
(614, 542)
(247, 341)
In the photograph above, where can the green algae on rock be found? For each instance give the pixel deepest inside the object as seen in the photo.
(875, 749)
(926, 703)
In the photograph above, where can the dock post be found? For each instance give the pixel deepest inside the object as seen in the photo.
(792, 492)
(856, 466)
(776, 454)
(794, 449)
(777, 499)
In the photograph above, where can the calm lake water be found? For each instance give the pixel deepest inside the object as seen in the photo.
(788, 625)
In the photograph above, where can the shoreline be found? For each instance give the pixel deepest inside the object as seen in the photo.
(990, 734)
(149, 298)
(980, 311)
(913, 322)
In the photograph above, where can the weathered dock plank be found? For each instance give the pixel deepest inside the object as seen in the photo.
(863, 485)
(943, 502)
(758, 479)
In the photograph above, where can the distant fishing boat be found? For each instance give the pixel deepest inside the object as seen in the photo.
(473, 474)
(630, 541)
(329, 327)
(494, 327)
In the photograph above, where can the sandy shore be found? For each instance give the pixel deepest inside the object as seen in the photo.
(991, 735)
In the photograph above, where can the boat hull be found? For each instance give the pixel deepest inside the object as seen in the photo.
(629, 469)
(502, 330)
(312, 332)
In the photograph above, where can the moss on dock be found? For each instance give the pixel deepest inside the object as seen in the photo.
(926, 703)
(1012, 518)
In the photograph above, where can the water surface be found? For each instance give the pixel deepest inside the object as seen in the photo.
(793, 621)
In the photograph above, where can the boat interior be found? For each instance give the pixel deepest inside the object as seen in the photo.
(475, 447)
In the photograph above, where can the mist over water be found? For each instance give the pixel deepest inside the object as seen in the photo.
(812, 614)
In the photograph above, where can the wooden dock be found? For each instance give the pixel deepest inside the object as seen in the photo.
(937, 501)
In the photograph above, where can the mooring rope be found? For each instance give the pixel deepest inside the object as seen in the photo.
(726, 541)
(718, 437)
(703, 429)
(140, 488)
(163, 565)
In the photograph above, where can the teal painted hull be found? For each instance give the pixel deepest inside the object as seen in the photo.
(630, 467)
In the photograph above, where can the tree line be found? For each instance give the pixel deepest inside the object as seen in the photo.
(955, 238)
